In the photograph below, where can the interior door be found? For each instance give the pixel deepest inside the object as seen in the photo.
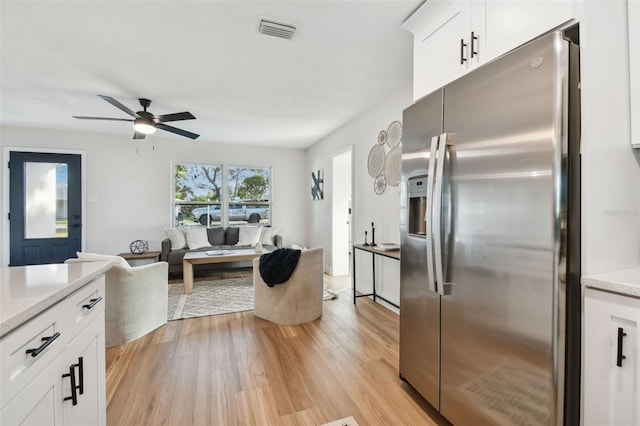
(45, 207)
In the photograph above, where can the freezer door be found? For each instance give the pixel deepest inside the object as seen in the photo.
(419, 307)
(500, 320)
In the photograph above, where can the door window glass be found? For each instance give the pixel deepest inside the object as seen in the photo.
(46, 211)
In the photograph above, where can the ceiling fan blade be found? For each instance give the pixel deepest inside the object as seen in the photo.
(177, 131)
(119, 105)
(82, 117)
(138, 135)
(175, 117)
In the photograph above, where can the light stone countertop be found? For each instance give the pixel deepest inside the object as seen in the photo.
(26, 291)
(626, 281)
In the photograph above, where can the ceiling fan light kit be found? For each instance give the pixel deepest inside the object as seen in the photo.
(144, 126)
(145, 123)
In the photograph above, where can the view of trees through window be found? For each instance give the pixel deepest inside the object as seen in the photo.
(199, 193)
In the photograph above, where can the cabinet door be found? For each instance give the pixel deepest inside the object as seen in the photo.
(633, 15)
(441, 47)
(85, 355)
(611, 359)
(38, 403)
(509, 24)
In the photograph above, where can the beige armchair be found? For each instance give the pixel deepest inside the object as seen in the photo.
(296, 301)
(136, 299)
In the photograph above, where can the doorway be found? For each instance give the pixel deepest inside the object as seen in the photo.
(45, 207)
(341, 213)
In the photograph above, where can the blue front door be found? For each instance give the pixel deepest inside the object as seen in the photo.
(45, 207)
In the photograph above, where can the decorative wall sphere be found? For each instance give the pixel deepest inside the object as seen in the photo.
(139, 247)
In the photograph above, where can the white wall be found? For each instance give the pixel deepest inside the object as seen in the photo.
(367, 207)
(610, 167)
(129, 195)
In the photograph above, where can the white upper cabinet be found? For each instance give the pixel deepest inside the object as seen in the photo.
(440, 46)
(509, 24)
(633, 14)
(451, 37)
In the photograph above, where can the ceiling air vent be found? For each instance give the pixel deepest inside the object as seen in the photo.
(276, 29)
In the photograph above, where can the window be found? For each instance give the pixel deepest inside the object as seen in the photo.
(204, 192)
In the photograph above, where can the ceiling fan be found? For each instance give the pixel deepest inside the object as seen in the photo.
(145, 123)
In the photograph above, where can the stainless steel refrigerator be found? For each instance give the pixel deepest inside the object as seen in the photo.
(490, 238)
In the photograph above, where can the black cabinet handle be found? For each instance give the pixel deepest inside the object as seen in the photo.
(72, 376)
(92, 303)
(620, 357)
(80, 365)
(474, 38)
(46, 341)
(462, 46)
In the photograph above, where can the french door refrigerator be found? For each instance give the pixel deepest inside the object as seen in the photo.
(490, 238)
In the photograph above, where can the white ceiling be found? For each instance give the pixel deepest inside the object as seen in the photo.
(205, 57)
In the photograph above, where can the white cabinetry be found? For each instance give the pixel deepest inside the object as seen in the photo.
(633, 14)
(611, 353)
(37, 390)
(451, 37)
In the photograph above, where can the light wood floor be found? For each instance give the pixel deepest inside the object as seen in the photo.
(236, 369)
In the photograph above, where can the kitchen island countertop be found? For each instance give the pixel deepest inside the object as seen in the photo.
(625, 281)
(26, 291)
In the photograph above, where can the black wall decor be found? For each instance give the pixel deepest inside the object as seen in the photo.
(317, 185)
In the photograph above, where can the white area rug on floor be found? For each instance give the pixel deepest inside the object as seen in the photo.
(215, 297)
(211, 298)
(347, 421)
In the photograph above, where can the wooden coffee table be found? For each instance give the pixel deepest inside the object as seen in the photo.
(201, 257)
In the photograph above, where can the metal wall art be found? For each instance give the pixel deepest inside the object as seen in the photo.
(317, 185)
(386, 169)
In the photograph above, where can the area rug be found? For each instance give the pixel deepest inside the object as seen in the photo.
(215, 297)
(211, 298)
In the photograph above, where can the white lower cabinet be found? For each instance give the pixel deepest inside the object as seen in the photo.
(38, 403)
(611, 359)
(86, 355)
(69, 383)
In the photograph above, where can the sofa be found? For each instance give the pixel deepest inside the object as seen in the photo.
(176, 246)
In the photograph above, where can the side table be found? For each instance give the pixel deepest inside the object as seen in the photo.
(141, 259)
(391, 254)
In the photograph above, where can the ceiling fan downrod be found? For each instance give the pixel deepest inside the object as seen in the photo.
(144, 103)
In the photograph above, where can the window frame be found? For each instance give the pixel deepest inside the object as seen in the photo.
(224, 202)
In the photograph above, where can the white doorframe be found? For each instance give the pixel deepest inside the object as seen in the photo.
(5, 192)
(341, 211)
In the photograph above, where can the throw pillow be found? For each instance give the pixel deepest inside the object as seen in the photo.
(95, 257)
(249, 235)
(177, 237)
(197, 238)
(216, 236)
(268, 236)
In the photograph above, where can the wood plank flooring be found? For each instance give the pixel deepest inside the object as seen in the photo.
(236, 369)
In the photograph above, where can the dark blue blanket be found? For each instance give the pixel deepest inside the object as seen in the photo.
(276, 267)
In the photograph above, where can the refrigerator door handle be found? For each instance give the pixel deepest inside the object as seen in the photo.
(437, 215)
(429, 213)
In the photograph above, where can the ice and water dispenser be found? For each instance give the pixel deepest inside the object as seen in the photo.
(417, 187)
